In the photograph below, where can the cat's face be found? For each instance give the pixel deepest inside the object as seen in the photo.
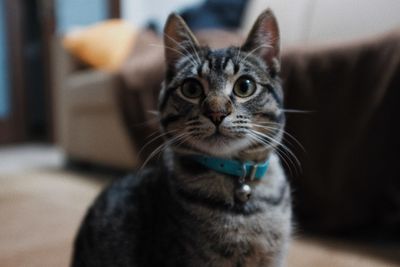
(224, 101)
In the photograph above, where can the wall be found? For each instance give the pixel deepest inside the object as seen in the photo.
(301, 21)
(345, 19)
(4, 74)
(76, 13)
(304, 22)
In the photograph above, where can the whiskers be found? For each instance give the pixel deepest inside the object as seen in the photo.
(254, 50)
(188, 56)
(299, 111)
(271, 126)
(192, 55)
(176, 140)
(284, 152)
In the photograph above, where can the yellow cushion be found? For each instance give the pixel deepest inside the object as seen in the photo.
(104, 45)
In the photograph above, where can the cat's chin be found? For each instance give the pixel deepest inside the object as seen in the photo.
(221, 146)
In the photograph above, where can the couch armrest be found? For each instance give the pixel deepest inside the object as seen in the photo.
(74, 91)
(94, 84)
(90, 122)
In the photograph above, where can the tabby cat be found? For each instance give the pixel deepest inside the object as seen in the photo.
(219, 196)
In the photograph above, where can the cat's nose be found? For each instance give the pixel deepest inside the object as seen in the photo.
(217, 109)
(216, 117)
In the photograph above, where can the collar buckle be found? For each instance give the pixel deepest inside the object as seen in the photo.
(253, 171)
(249, 175)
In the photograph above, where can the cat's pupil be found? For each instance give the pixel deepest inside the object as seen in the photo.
(245, 86)
(192, 90)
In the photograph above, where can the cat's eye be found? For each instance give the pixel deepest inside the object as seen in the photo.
(191, 88)
(244, 87)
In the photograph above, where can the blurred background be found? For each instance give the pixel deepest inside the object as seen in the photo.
(78, 89)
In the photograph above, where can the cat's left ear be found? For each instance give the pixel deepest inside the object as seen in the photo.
(263, 40)
(179, 41)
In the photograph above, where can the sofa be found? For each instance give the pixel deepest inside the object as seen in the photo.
(89, 125)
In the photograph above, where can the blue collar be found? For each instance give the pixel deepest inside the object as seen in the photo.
(246, 170)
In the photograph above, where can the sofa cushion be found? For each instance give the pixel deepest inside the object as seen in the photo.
(104, 45)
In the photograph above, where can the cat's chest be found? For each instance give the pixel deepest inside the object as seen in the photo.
(239, 227)
(240, 236)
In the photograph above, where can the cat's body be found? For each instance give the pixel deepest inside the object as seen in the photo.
(155, 224)
(214, 102)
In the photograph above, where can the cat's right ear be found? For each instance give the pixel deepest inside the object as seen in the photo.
(179, 41)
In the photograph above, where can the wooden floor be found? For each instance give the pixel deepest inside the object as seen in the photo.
(41, 206)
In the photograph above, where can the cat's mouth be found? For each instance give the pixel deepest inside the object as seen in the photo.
(218, 135)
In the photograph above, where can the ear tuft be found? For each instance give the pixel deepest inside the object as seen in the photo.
(263, 40)
(179, 41)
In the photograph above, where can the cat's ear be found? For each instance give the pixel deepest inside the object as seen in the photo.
(263, 40)
(179, 41)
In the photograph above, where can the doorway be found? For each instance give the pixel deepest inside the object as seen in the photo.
(26, 31)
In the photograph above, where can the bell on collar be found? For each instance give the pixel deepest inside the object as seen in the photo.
(243, 193)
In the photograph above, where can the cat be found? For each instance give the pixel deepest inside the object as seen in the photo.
(218, 196)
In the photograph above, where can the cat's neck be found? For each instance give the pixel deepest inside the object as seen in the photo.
(258, 156)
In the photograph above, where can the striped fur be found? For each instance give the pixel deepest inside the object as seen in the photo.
(182, 214)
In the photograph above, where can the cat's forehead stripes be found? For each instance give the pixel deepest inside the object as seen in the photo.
(213, 63)
(205, 69)
(230, 68)
(221, 61)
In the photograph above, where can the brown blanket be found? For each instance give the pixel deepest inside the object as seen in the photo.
(349, 177)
